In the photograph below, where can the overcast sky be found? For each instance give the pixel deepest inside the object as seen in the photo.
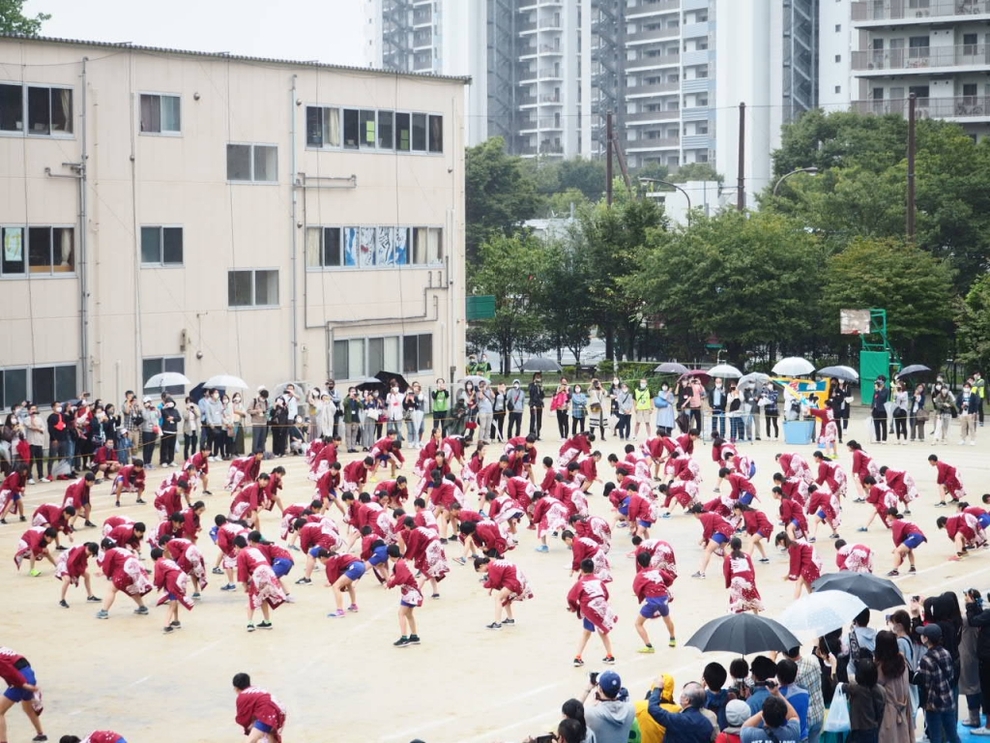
(324, 30)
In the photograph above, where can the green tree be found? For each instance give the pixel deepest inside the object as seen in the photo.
(13, 20)
(694, 172)
(910, 283)
(563, 302)
(652, 170)
(511, 268)
(748, 279)
(500, 194)
(973, 318)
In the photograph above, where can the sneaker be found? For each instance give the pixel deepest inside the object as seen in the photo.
(31, 481)
(608, 660)
(509, 622)
(94, 599)
(699, 574)
(35, 573)
(102, 614)
(264, 625)
(142, 610)
(117, 504)
(862, 529)
(940, 504)
(90, 524)
(434, 596)
(3, 521)
(402, 642)
(893, 573)
(337, 614)
(812, 540)
(414, 639)
(207, 492)
(176, 624)
(493, 625)
(63, 604)
(912, 569)
(542, 548)
(228, 587)
(46, 479)
(648, 650)
(217, 571)
(460, 561)
(59, 548)
(352, 607)
(578, 662)
(140, 501)
(765, 560)
(168, 629)
(672, 643)
(833, 536)
(979, 731)
(304, 581)
(196, 597)
(250, 628)
(40, 737)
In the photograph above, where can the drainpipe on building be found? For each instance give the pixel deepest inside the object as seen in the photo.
(83, 242)
(295, 278)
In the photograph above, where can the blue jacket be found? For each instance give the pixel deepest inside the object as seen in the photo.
(687, 726)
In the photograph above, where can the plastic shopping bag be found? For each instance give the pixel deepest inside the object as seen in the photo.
(838, 714)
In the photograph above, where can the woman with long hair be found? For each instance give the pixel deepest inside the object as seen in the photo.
(805, 564)
(898, 721)
(740, 579)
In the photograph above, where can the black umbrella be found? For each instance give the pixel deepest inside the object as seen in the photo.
(540, 364)
(876, 593)
(370, 384)
(670, 367)
(743, 634)
(907, 371)
(387, 377)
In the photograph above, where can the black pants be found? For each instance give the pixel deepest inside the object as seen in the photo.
(985, 684)
(880, 425)
(695, 415)
(515, 420)
(37, 460)
(562, 423)
(190, 442)
(577, 424)
(217, 436)
(771, 420)
(439, 421)
(148, 439)
(280, 436)
(536, 421)
(901, 426)
(166, 452)
(498, 426)
(624, 427)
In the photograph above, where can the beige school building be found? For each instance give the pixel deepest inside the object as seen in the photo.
(166, 210)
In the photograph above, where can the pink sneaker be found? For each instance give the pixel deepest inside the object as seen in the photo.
(352, 607)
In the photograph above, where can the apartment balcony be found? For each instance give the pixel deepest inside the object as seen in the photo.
(529, 27)
(657, 34)
(698, 57)
(651, 117)
(649, 145)
(526, 100)
(645, 64)
(645, 8)
(549, 98)
(965, 57)
(696, 142)
(962, 108)
(697, 85)
(642, 91)
(871, 13)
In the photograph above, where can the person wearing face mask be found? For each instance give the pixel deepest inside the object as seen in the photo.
(579, 408)
(441, 405)
(58, 436)
(485, 401)
(968, 404)
(717, 399)
(393, 409)
(536, 396)
(213, 423)
(624, 403)
(170, 419)
(644, 404)
(149, 431)
(664, 403)
(499, 410)
(515, 403)
(944, 404)
(597, 406)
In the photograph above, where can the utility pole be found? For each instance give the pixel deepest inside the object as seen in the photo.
(741, 181)
(912, 114)
(608, 159)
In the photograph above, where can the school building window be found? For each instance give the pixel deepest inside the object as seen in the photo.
(357, 358)
(331, 127)
(252, 163)
(160, 114)
(252, 288)
(161, 246)
(37, 251)
(40, 384)
(373, 247)
(35, 110)
(158, 365)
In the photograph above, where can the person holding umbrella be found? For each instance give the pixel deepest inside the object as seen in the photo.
(536, 396)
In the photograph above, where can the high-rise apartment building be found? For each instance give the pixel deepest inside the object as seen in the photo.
(876, 53)
(546, 72)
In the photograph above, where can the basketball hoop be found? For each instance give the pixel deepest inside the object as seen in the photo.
(854, 322)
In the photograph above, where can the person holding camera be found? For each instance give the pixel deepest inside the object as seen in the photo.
(776, 722)
(936, 672)
(979, 617)
(691, 724)
(609, 714)
(881, 394)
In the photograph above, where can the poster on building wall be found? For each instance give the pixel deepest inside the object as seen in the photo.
(366, 246)
(13, 245)
(400, 247)
(350, 246)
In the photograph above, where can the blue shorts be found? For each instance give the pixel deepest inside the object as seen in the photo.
(746, 498)
(213, 533)
(314, 550)
(913, 541)
(586, 623)
(984, 520)
(411, 606)
(719, 538)
(379, 556)
(820, 513)
(795, 523)
(281, 566)
(354, 571)
(172, 597)
(259, 725)
(624, 508)
(16, 694)
(653, 607)
(644, 524)
(383, 458)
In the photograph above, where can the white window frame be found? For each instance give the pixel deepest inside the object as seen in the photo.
(366, 369)
(254, 305)
(172, 389)
(51, 273)
(161, 246)
(340, 128)
(161, 132)
(24, 131)
(410, 242)
(30, 392)
(252, 180)
(361, 146)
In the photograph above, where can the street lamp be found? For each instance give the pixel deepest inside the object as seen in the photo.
(810, 171)
(672, 185)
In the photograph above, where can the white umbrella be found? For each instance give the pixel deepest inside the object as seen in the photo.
(226, 381)
(846, 373)
(474, 379)
(725, 371)
(819, 613)
(167, 379)
(754, 379)
(793, 366)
